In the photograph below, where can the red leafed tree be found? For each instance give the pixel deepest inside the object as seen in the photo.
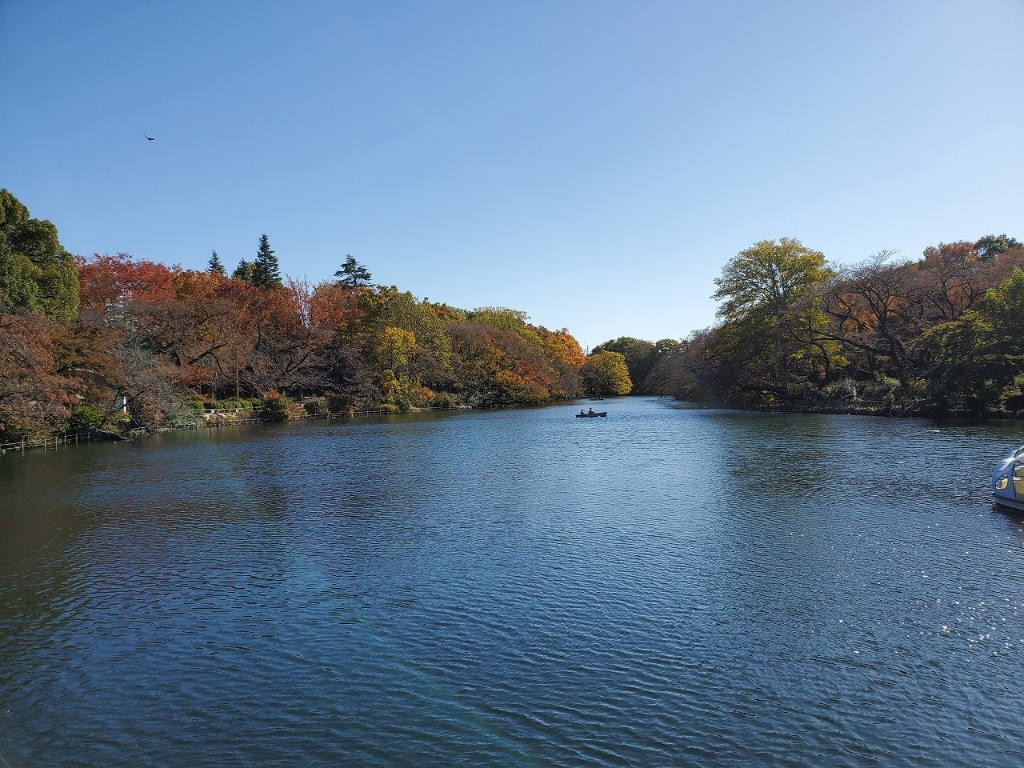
(34, 399)
(109, 283)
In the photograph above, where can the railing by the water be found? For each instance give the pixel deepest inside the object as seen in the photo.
(47, 443)
(382, 412)
(223, 417)
(229, 418)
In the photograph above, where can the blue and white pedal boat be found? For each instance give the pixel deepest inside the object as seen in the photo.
(1008, 481)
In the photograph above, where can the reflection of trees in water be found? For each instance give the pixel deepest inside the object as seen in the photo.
(41, 535)
(779, 454)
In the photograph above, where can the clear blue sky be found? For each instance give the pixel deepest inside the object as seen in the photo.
(592, 163)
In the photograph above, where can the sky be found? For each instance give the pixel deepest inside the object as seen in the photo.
(594, 164)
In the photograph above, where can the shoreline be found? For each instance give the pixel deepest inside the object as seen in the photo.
(220, 419)
(860, 408)
(892, 412)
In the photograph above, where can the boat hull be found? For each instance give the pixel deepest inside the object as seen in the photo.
(602, 414)
(1002, 501)
(1008, 481)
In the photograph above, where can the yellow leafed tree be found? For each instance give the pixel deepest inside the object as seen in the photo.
(606, 373)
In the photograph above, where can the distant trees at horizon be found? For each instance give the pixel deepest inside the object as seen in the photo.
(113, 342)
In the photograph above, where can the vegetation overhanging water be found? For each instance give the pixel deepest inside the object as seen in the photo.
(110, 344)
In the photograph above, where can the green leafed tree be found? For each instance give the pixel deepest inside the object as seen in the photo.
(606, 373)
(352, 273)
(215, 266)
(768, 279)
(977, 358)
(640, 355)
(991, 246)
(244, 271)
(761, 290)
(266, 273)
(35, 271)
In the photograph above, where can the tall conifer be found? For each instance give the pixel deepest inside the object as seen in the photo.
(215, 267)
(266, 273)
(352, 273)
(243, 271)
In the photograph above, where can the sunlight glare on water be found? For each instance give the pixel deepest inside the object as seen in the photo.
(665, 586)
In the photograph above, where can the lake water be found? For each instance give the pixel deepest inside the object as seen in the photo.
(668, 586)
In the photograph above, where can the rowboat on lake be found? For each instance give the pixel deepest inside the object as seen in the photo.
(591, 415)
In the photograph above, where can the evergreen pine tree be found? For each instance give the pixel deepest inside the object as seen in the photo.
(352, 273)
(243, 271)
(266, 273)
(215, 267)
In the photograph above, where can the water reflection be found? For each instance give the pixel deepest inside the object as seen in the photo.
(665, 586)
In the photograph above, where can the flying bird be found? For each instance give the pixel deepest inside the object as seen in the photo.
(148, 137)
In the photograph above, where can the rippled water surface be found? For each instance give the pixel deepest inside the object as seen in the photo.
(667, 586)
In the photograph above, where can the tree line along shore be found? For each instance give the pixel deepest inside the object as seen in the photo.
(112, 344)
(939, 336)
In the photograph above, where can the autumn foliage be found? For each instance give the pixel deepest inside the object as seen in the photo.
(150, 343)
(114, 343)
(937, 335)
